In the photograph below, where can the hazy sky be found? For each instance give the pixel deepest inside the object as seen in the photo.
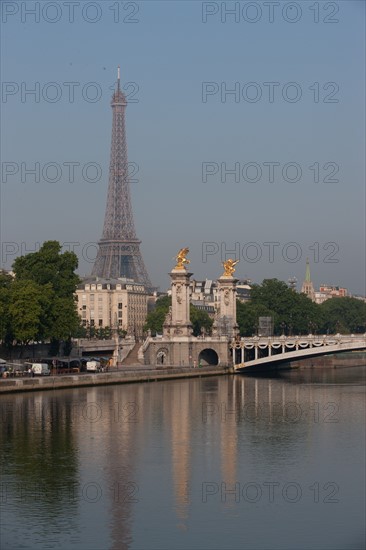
(292, 132)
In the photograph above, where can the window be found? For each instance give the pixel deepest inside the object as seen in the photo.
(100, 322)
(120, 306)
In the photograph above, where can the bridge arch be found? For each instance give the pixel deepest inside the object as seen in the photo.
(162, 356)
(208, 356)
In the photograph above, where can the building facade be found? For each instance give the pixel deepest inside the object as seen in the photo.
(204, 295)
(328, 291)
(115, 303)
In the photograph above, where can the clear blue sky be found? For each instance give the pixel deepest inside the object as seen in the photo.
(168, 53)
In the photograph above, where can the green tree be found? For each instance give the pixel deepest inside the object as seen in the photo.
(247, 315)
(107, 333)
(296, 312)
(5, 321)
(25, 310)
(155, 319)
(5, 279)
(54, 273)
(200, 320)
(164, 302)
(65, 322)
(49, 265)
(344, 315)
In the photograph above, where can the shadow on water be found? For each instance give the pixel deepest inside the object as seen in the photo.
(312, 374)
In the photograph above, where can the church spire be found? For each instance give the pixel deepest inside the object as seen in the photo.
(307, 286)
(307, 272)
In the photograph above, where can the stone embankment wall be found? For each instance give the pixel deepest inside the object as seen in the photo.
(355, 359)
(127, 377)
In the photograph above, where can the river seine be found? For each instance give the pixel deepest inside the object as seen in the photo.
(226, 462)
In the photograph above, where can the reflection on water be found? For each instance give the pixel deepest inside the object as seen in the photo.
(222, 462)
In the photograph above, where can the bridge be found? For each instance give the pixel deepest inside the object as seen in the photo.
(265, 351)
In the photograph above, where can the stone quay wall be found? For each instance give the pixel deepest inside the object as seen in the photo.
(41, 383)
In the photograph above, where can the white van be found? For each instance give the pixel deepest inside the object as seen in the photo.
(41, 368)
(93, 366)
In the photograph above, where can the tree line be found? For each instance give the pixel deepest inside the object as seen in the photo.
(292, 313)
(38, 304)
(295, 313)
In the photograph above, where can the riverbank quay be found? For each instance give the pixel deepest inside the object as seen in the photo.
(352, 359)
(130, 376)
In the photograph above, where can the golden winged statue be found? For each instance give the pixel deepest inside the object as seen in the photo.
(229, 267)
(181, 258)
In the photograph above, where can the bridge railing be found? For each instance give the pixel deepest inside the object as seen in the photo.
(311, 339)
(259, 350)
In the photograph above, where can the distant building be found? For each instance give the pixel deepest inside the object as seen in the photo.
(204, 291)
(362, 298)
(307, 286)
(6, 272)
(152, 298)
(116, 303)
(320, 297)
(204, 295)
(335, 291)
(325, 291)
(292, 282)
(243, 289)
(329, 291)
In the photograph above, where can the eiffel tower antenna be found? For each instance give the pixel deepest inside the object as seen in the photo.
(119, 248)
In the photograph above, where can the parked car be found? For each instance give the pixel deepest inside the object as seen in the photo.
(41, 368)
(93, 366)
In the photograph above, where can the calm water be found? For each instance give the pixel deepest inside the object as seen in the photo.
(215, 463)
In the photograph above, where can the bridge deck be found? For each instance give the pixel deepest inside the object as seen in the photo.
(296, 348)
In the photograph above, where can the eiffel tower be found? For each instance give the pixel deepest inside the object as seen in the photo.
(119, 248)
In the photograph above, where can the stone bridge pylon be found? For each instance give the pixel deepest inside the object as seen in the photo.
(177, 346)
